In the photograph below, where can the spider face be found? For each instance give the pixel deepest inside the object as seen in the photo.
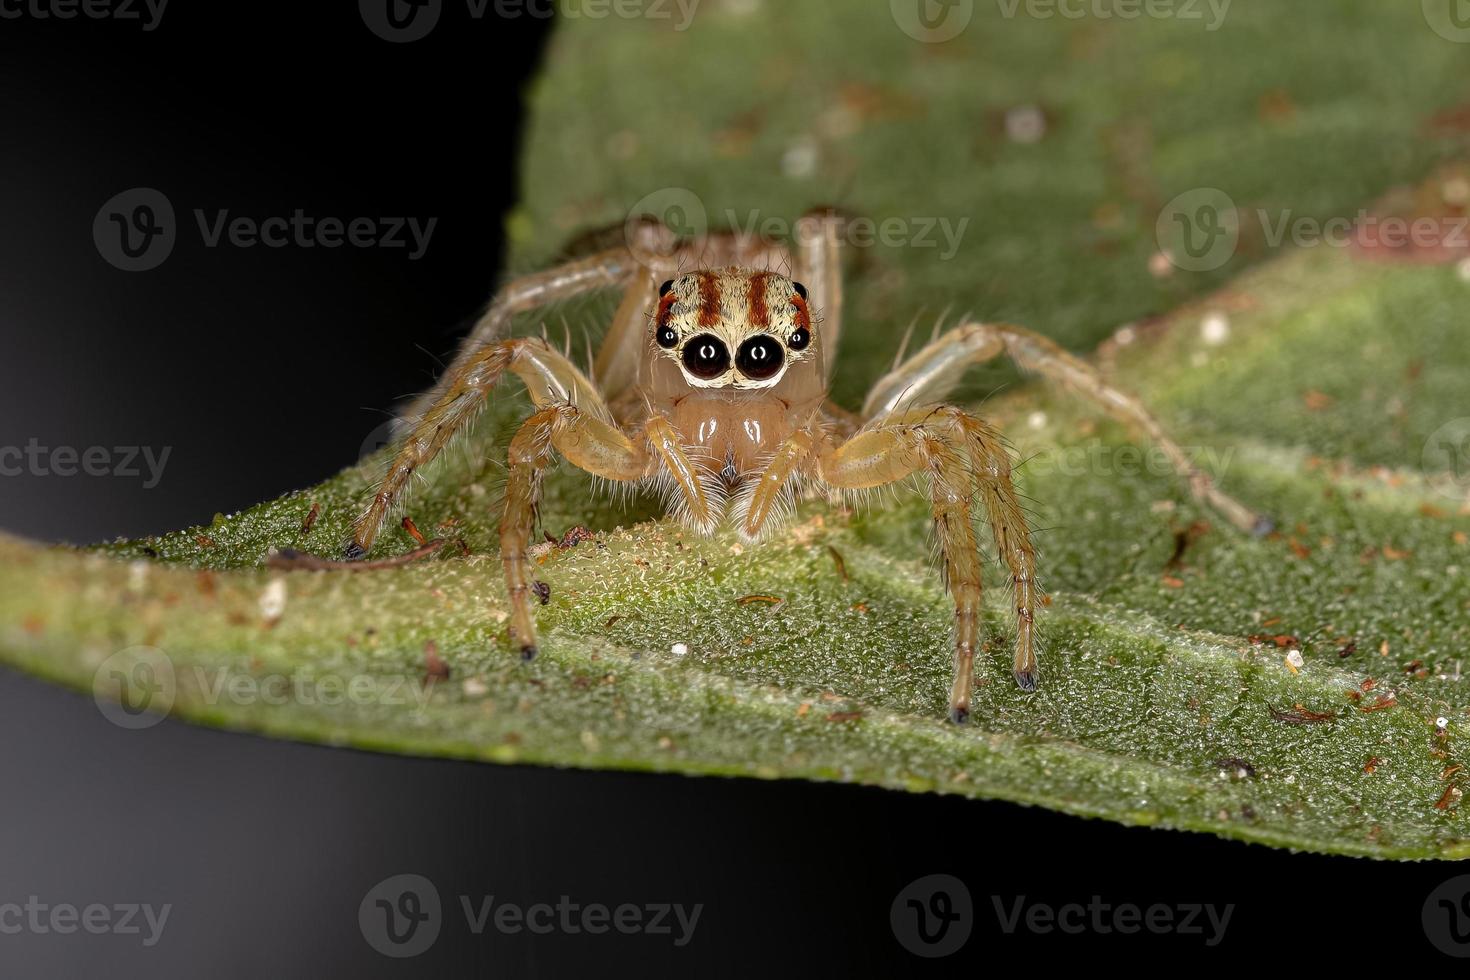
(735, 328)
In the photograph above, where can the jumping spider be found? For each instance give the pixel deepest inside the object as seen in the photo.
(711, 385)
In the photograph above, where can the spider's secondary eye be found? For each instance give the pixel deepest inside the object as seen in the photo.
(800, 339)
(664, 289)
(706, 356)
(800, 289)
(666, 338)
(760, 357)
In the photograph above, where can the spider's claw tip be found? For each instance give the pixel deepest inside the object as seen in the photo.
(1026, 679)
(958, 714)
(352, 551)
(529, 651)
(1264, 526)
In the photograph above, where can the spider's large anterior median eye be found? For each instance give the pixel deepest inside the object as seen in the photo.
(760, 357)
(800, 339)
(706, 356)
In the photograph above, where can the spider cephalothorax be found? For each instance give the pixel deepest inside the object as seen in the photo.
(713, 386)
(735, 328)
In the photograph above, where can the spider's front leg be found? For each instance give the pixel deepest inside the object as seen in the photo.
(962, 457)
(587, 442)
(550, 379)
(933, 372)
(571, 419)
(599, 447)
(607, 268)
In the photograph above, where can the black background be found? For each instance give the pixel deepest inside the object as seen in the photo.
(265, 369)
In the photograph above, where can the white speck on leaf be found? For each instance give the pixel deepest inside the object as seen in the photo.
(273, 599)
(1214, 329)
(800, 158)
(1025, 124)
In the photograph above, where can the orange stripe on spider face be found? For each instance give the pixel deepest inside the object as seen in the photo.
(665, 305)
(709, 300)
(760, 314)
(803, 315)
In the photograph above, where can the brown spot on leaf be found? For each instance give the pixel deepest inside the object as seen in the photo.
(435, 669)
(1317, 401)
(1298, 715)
(845, 716)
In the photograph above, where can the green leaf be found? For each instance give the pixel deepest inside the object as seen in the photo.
(1329, 399)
